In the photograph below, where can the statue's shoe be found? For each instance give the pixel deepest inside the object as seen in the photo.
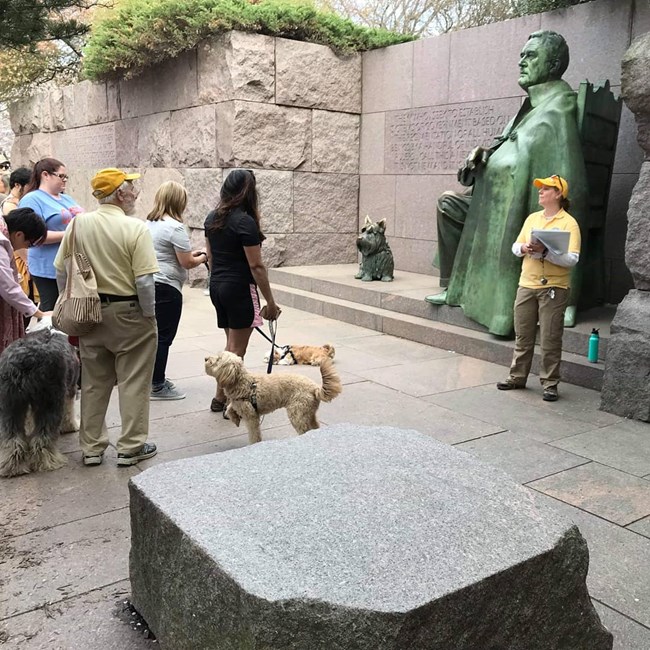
(570, 316)
(438, 298)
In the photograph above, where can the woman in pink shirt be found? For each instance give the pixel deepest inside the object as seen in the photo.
(21, 228)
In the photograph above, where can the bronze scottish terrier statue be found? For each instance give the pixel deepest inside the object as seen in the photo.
(376, 257)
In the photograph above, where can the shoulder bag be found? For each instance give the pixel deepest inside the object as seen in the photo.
(78, 308)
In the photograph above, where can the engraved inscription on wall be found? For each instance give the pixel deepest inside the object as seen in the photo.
(436, 139)
(89, 147)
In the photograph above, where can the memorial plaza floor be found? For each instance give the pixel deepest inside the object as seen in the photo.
(64, 535)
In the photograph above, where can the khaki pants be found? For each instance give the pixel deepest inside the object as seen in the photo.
(532, 305)
(123, 348)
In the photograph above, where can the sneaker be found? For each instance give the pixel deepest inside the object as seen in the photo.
(550, 394)
(167, 392)
(206, 292)
(508, 384)
(146, 451)
(94, 459)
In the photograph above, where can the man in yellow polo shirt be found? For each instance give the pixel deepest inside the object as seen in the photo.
(543, 291)
(123, 346)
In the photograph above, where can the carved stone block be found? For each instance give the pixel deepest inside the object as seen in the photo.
(194, 136)
(32, 114)
(325, 203)
(57, 108)
(275, 191)
(263, 135)
(165, 87)
(635, 88)
(316, 248)
(237, 65)
(202, 187)
(85, 103)
(335, 145)
(436, 139)
(458, 555)
(626, 389)
(637, 247)
(314, 76)
(86, 147)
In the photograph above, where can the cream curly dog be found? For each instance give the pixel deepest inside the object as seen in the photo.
(251, 396)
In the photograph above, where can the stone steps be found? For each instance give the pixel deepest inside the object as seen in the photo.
(399, 309)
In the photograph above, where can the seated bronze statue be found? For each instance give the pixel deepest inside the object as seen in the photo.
(476, 229)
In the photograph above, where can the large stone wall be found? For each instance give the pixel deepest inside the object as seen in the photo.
(290, 110)
(332, 139)
(427, 103)
(6, 133)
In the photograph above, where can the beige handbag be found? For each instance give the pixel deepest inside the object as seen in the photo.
(78, 308)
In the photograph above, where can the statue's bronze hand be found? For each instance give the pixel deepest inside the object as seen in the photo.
(476, 157)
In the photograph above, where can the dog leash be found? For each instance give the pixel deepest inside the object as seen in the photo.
(273, 328)
(270, 340)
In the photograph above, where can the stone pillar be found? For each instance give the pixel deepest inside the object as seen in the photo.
(626, 384)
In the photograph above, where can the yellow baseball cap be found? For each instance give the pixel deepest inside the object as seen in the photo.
(106, 181)
(553, 181)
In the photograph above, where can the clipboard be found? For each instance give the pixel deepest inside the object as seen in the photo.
(557, 241)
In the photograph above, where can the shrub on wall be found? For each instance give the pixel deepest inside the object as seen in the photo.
(140, 33)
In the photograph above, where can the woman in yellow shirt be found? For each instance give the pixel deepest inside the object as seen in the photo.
(543, 291)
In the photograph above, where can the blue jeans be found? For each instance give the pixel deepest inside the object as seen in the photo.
(169, 305)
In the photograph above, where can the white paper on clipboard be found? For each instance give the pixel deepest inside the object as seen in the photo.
(557, 241)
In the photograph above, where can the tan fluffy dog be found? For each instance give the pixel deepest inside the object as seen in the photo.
(251, 396)
(306, 355)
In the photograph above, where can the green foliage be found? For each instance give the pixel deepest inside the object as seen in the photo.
(25, 23)
(40, 41)
(141, 33)
(526, 7)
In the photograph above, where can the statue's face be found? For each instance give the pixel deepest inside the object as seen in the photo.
(535, 64)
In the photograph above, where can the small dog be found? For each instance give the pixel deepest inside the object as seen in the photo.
(38, 385)
(377, 261)
(251, 396)
(305, 355)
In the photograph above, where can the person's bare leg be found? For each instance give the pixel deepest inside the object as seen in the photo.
(238, 341)
(220, 395)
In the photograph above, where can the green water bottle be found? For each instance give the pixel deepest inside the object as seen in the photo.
(594, 341)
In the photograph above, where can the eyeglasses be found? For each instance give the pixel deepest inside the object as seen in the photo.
(63, 177)
(560, 181)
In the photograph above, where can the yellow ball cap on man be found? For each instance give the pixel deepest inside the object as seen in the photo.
(106, 181)
(553, 181)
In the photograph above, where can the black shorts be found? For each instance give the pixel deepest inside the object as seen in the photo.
(237, 305)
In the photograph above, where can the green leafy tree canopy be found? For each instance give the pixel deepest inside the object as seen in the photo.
(26, 23)
(40, 41)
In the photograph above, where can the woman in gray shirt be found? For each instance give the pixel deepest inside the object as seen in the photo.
(174, 253)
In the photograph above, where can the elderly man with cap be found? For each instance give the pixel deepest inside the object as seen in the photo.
(123, 346)
(543, 291)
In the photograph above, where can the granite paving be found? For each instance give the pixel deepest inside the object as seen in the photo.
(65, 536)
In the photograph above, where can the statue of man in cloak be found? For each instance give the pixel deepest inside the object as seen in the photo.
(476, 229)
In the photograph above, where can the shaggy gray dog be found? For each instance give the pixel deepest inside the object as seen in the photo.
(38, 384)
